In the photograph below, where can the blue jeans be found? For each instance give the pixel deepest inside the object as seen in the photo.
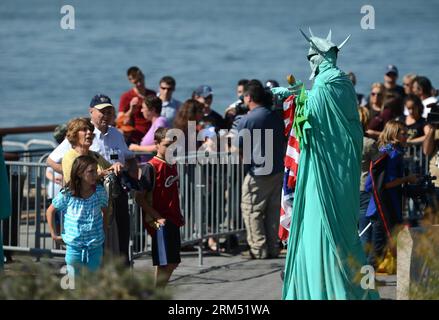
(374, 239)
(78, 258)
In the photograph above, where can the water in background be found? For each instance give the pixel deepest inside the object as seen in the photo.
(48, 75)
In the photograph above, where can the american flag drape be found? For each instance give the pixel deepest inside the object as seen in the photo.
(291, 162)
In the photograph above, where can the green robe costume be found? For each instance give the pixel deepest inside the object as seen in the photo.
(325, 255)
(5, 200)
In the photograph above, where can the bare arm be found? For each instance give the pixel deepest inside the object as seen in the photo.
(50, 215)
(373, 134)
(55, 166)
(128, 115)
(141, 201)
(417, 140)
(49, 174)
(136, 147)
(399, 181)
(428, 144)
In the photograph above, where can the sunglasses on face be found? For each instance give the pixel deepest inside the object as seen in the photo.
(376, 94)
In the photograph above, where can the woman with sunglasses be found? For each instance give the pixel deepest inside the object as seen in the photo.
(392, 107)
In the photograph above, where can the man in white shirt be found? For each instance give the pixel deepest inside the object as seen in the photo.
(110, 144)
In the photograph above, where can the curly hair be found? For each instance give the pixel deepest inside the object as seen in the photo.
(187, 112)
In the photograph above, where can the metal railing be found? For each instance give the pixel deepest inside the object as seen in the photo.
(209, 201)
(210, 195)
(415, 161)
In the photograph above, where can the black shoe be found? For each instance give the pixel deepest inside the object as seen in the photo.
(270, 256)
(282, 275)
(247, 255)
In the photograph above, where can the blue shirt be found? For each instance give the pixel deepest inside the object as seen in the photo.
(394, 169)
(264, 119)
(83, 222)
(169, 110)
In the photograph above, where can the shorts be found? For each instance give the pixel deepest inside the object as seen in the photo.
(166, 245)
(78, 258)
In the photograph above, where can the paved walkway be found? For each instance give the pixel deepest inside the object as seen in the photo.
(221, 277)
(229, 277)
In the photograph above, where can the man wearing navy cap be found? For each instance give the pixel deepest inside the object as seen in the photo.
(110, 144)
(204, 94)
(390, 77)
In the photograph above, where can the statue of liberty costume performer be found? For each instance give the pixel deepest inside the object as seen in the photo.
(325, 255)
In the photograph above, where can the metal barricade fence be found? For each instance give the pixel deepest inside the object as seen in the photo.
(210, 194)
(26, 230)
(415, 161)
(210, 197)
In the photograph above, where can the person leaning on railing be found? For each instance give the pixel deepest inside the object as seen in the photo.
(415, 123)
(430, 148)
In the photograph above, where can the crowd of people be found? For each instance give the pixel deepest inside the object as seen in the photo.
(107, 143)
(393, 118)
(83, 211)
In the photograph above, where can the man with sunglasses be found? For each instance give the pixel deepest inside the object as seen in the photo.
(170, 105)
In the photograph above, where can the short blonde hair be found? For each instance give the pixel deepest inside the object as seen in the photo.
(389, 135)
(76, 125)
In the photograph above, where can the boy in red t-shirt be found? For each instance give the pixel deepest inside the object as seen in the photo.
(161, 178)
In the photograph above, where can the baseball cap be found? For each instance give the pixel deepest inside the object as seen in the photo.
(203, 91)
(392, 69)
(100, 101)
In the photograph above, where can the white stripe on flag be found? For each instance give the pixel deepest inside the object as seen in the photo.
(292, 152)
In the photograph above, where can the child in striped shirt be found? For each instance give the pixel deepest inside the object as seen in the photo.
(84, 205)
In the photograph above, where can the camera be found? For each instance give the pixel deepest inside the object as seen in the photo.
(240, 107)
(433, 115)
(115, 185)
(424, 186)
(433, 118)
(127, 182)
